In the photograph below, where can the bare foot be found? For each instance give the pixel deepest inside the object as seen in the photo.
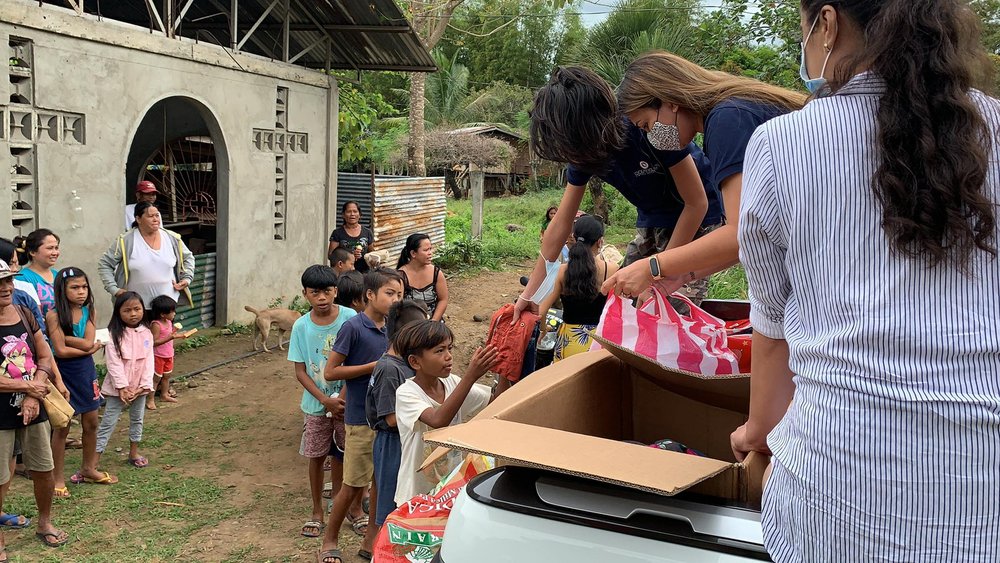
(169, 399)
(151, 404)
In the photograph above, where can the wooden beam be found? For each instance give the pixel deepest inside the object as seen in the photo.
(78, 7)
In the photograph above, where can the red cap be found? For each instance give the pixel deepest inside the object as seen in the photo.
(145, 187)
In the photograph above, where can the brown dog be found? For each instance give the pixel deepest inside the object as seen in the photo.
(280, 317)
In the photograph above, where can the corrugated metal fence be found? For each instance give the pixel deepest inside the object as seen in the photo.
(404, 206)
(396, 207)
(202, 315)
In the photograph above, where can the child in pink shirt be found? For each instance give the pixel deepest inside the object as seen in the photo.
(129, 358)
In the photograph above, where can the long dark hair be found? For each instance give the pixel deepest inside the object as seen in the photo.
(140, 210)
(64, 310)
(116, 326)
(412, 245)
(933, 142)
(31, 243)
(581, 270)
(575, 119)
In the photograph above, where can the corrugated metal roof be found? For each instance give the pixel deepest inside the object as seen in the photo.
(369, 35)
(404, 206)
(492, 129)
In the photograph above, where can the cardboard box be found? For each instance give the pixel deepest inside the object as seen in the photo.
(573, 416)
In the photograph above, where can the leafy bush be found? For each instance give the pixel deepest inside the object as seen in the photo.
(298, 303)
(465, 253)
(193, 343)
(237, 327)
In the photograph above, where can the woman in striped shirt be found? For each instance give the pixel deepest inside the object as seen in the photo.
(673, 99)
(868, 230)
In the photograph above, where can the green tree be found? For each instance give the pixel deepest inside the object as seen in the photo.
(447, 92)
(503, 104)
(635, 27)
(572, 36)
(359, 113)
(989, 14)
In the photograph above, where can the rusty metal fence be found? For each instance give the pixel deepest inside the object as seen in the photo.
(403, 206)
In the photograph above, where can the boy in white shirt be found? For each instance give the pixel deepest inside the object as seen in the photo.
(433, 398)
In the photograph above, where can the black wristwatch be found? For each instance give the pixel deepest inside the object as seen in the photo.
(654, 268)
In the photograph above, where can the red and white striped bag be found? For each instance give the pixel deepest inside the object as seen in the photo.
(697, 343)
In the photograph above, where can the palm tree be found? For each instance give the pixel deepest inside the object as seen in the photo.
(446, 92)
(636, 27)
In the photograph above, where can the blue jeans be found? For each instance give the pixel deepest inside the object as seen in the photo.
(112, 412)
(387, 453)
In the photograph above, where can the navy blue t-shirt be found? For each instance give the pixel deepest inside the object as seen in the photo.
(361, 342)
(641, 173)
(728, 127)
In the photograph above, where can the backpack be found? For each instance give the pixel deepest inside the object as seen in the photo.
(511, 341)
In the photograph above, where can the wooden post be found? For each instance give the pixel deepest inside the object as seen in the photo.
(476, 177)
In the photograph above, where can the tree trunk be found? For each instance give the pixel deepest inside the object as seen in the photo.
(449, 179)
(596, 187)
(415, 148)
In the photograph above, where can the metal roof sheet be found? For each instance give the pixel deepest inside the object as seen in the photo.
(344, 34)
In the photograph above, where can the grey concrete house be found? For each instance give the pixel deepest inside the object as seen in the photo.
(222, 104)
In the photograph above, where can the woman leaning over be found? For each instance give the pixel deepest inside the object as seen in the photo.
(868, 230)
(673, 99)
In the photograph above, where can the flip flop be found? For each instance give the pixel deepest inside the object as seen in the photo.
(327, 490)
(330, 556)
(23, 473)
(61, 492)
(6, 519)
(79, 479)
(138, 462)
(73, 444)
(313, 525)
(360, 525)
(59, 540)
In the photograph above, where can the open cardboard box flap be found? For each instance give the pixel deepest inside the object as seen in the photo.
(572, 417)
(619, 463)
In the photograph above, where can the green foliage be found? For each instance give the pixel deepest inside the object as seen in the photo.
(465, 252)
(447, 91)
(193, 343)
(297, 303)
(498, 47)
(728, 284)
(621, 217)
(501, 103)
(236, 327)
(359, 111)
(635, 27)
(989, 15)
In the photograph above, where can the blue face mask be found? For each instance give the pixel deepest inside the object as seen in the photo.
(813, 84)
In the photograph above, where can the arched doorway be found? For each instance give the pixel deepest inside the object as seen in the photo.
(179, 147)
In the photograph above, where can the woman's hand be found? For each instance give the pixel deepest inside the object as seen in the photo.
(119, 293)
(63, 391)
(630, 281)
(179, 286)
(743, 442)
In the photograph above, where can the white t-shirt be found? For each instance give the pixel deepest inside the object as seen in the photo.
(129, 215)
(151, 272)
(411, 402)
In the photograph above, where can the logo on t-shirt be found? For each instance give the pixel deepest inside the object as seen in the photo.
(645, 169)
(18, 363)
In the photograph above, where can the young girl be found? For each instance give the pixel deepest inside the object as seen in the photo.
(39, 251)
(162, 311)
(130, 359)
(433, 398)
(578, 284)
(422, 280)
(71, 333)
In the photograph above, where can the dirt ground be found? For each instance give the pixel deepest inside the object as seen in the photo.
(238, 427)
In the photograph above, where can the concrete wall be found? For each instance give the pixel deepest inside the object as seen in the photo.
(113, 82)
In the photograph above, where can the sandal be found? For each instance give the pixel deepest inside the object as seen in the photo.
(366, 555)
(138, 462)
(313, 529)
(60, 538)
(61, 492)
(23, 473)
(359, 525)
(73, 444)
(330, 556)
(106, 479)
(6, 519)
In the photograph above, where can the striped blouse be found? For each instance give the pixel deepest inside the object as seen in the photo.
(891, 448)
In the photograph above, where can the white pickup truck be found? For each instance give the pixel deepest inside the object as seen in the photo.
(517, 514)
